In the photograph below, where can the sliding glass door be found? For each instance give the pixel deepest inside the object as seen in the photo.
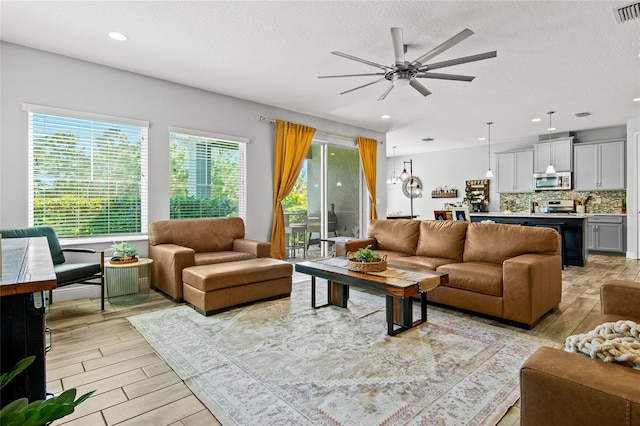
(343, 192)
(326, 197)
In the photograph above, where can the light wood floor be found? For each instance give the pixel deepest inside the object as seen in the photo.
(134, 386)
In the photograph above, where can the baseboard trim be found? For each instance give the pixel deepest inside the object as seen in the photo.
(75, 291)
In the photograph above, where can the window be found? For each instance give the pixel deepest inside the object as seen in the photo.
(207, 175)
(87, 173)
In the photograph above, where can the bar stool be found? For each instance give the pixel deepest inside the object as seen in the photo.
(559, 227)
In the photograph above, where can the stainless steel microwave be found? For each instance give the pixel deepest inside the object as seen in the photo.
(552, 181)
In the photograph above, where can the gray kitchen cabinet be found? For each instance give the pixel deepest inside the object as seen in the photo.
(558, 152)
(606, 233)
(514, 171)
(599, 166)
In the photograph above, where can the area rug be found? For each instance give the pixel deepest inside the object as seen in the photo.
(283, 363)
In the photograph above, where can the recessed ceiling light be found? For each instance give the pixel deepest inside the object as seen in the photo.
(636, 99)
(118, 36)
(535, 120)
(385, 116)
(551, 129)
(482, 139)
(428, 140)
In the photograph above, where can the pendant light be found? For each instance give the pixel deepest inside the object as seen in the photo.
(489, 173)
(404, 175)
(393, 179)
(550, 168)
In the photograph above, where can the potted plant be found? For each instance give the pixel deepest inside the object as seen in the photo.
(41, 412)
(124, 253)
(366, 260)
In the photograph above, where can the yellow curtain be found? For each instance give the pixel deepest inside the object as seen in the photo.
(368, 158)
(292, 144)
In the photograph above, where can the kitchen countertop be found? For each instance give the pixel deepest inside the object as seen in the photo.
(607, 214)
(535, 215)
(544, 215)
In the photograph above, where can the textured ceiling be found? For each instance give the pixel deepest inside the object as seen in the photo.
(567, 56)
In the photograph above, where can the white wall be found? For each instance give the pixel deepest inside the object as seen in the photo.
(445, 168)
(37, 77)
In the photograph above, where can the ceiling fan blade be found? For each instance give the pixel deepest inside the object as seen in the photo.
(398, 46)
(419, 87)
(459, 61)
(364, 85)
(462, 35)
(445, 76)
(364, 61)
(351, 75)
(386, 92)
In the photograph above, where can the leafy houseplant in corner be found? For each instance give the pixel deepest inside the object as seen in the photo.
(366, 260)
(124, 253)
(41, 412)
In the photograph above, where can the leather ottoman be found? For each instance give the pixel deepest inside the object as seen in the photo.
(210, 289)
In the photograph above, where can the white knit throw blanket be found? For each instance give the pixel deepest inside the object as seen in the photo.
(617, 342)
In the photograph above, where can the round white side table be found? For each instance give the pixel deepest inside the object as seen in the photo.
(128, 283)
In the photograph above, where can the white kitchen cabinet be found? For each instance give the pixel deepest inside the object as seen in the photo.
(514, 171)
(606, 233)
(599, 166)
(558, 152)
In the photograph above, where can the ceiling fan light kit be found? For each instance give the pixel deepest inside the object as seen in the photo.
(404, 73)
(401, 78)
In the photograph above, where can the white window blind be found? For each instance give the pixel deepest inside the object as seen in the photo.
(208, 176)
(87, 176)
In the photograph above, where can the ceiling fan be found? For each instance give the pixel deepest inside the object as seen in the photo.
(403, 73)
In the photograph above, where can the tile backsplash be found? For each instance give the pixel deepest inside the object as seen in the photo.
(611, 202)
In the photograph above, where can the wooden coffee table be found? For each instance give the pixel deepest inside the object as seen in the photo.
(398, 292)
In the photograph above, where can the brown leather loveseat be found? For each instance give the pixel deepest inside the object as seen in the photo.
(505, 271)
(563, 388)
(178, 244)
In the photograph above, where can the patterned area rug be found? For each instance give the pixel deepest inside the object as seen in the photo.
(282, 362)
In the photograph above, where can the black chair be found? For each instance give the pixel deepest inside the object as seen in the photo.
(66, 273)
(559, 227)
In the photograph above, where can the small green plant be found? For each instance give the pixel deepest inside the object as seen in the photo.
(41, 412)
(365, 254)
(124, 249)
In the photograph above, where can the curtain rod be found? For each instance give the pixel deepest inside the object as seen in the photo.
(353, 138)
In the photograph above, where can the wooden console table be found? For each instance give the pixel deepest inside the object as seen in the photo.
(27, 271)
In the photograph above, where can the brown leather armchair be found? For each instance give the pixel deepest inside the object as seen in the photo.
(180, 243)
(562, 388)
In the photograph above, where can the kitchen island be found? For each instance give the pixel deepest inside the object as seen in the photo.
(574, 225)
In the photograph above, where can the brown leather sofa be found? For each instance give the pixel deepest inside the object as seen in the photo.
(510, 272)
(178, 244)
(562, 388)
